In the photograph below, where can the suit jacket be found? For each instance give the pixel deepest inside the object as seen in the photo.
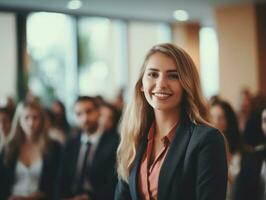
(101, 173)
(195, 167)
(248, 185)
(47, 184)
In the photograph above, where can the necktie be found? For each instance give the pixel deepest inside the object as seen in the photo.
(82, 168)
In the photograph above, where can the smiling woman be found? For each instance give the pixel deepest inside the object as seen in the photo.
(161, 84)
(167, 149)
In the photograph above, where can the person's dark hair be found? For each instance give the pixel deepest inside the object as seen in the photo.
(7, 111)
(253, 133)
(232, 132)
(116, 113)
(88, 98)
(214, 99)
(61, 122)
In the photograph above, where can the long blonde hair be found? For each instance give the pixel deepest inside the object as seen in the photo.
(139, 114)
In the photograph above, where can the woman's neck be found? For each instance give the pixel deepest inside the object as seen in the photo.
(164, 121)
(31, 140)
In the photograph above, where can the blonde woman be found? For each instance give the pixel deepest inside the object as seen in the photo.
(168, 151)
(30, 161)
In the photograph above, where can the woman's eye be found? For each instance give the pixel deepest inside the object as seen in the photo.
(153, 74)
(173, 76)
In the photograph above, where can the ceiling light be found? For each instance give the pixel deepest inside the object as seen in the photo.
(74, 4)
(181, 15)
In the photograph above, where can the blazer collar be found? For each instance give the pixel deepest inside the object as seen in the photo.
(172, 160)
(134, 172)
(172, 164)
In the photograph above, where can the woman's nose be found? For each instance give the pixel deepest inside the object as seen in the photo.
(161, 82)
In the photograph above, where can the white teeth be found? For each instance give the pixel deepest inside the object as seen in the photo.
(161, 95)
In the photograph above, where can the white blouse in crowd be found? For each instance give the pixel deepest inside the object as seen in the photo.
(27, 178)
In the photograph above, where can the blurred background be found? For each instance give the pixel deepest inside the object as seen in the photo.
(52, 51)
(58, 49)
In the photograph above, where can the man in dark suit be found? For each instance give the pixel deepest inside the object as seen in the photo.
(88, 164)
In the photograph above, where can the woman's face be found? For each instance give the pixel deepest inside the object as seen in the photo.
(263, 122)
(30, 121)
(161, 85)
(218, 118)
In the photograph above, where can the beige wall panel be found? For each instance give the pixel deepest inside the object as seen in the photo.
(236, 30)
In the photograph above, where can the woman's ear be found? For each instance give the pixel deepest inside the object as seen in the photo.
(141, 89)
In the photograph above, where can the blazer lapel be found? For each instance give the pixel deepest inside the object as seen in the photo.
(134, 172)
(174, 157)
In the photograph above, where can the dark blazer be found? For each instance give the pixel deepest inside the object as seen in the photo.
(101, 173)
(195, 167)
(248, 185)
(47, 184)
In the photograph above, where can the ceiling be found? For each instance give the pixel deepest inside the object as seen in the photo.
(155, 10)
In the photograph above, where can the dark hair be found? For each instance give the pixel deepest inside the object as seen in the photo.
(61, 121)
(116, 114)
(231, 132)
(88, 98)
(253, 133)
(7, 111)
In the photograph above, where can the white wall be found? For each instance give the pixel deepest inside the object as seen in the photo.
(8, 55)
(141, 37)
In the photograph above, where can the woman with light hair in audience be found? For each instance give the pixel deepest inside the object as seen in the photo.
(29, 163)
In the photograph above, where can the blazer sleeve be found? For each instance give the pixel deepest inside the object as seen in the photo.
(211, 179)
(122, 191)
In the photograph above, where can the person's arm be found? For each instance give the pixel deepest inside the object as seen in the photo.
(122, 191)
(211, 167)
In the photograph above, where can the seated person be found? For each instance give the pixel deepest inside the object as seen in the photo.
(88, 165)
(29, 163)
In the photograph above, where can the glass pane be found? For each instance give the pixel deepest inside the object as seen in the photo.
(51, 50)
(101, 54)
(209, 71)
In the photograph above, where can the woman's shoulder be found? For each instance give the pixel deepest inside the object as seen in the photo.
(203, 133)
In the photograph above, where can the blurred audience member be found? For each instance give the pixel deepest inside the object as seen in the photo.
(213, 99)
(59, 112)
(99, 99)
(53, 132)
(109, 117)
(88, 165)
(252, 133)
(5, 126)
(30, 161)
(9, 103)
(119, 101)
(251, 183)
(224, 118)
(244, 108)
